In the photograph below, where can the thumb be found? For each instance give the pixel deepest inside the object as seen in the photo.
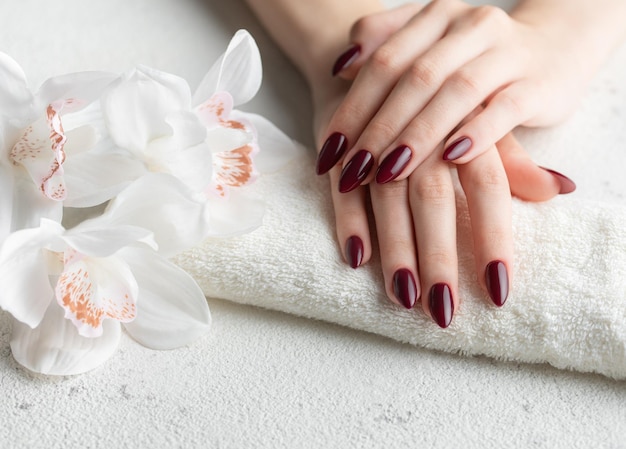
(527, 180)
(369, 33)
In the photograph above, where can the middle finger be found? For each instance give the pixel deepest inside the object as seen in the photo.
(432, 199)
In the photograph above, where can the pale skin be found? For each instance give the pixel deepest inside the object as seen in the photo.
(424, 79)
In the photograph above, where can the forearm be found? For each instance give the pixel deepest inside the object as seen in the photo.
(312, 33)
(590, 30)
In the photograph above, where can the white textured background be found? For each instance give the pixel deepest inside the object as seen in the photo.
(266, 379)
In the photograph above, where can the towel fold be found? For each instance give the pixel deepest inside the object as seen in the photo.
(567, 305)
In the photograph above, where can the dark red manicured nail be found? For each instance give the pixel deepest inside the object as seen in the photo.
(354, 251)
(346, 58)
(393, 164)
(331, 152)
(567, 185)
(457, 149)
(404, 287)
(441, 304)
(355, 171)
(497, 280)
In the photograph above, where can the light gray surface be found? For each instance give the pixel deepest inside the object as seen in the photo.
(265, 379)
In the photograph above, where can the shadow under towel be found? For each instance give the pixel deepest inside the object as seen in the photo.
(567, 305)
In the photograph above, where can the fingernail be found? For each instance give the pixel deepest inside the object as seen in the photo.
(567, 185)
(393, 164)
(457, 149)
(441, 305)
(497, 280)
(355, 171)
(404, 287)
(331, 152)
(346, 58)
(354, 251)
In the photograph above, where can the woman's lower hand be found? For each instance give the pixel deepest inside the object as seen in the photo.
(420, 212)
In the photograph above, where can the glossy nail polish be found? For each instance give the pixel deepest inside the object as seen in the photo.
(567, 185)
(404, 287)
(346, 58)
(441, 304)
(497, 280)
(393, 164)
(355, 171)
(354, 251)
(457, 149)
(331, 152)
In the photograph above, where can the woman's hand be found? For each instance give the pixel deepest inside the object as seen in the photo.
(419, 212)
(417, 85)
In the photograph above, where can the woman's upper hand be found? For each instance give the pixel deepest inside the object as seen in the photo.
(421, 71)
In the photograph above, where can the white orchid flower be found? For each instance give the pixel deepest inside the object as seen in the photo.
(71, 290)
(235, 79)
(34, 143)
(210, 149)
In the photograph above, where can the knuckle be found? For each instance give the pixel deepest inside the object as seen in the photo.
(381, 131)
(512, 103)
(349, 113)
(385, 59)
(363, 26)
(427, 131)
(490, 180)
(441, 5)
(396, 244)
(432, 188)
(439, 257)
(396, 190)
(423, 73)
(496, 236)
(490, 16)
(348, 217)
(464, 82)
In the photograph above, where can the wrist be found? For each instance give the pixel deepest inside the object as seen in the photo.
(312, 34)
(583, 34)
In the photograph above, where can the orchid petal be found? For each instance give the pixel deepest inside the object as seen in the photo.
(26, 290)
(6, 200)
(239, 214)
(193, 166)
(172, 310)
(93, 178)
(135, 106)
(277, 149)
(73, 91)
(163, 204)
(16, 100)
(91, 290)
(216, 111)
(29, 206)
(40, 151)
(234, 168)
(56, 348)
(225, 139)
(97, 237)
(79, 140)
(183, 154)
(238, 71)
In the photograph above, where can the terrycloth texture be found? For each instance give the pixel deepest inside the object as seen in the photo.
(567, 306)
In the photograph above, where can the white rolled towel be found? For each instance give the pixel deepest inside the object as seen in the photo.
(567, 305)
